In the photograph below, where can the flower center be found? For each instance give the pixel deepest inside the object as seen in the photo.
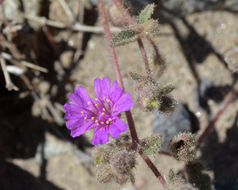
(98, 111)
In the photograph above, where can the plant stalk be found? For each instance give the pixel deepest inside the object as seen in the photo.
(116, 69)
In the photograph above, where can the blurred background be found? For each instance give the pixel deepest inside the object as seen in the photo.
(47, 47)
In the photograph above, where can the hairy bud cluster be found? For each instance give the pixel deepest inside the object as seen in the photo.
(144, 25)
(178, 183)
(152, 96)
(183, 146)
(122, 162)
(115, 161)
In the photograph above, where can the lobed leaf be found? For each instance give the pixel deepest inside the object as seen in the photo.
(123, 37)
(146, 13)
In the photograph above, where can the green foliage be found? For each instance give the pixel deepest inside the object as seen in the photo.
(146, 13)
(166, 89)
(123, 37)
(151, 145)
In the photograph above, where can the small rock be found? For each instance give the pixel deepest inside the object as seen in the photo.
(66, 59)
(129, 188)
(181, 120)
(44, 87)
(226, 186)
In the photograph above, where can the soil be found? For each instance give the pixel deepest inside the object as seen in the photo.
(36, 150)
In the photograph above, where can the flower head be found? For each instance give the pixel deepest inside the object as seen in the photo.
(100, 114)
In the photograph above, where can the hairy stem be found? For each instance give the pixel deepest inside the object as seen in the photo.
(227, 100)
(116, 69)
(158, 56)
(130, 21)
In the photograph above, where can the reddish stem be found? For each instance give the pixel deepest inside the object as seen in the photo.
(116, 69)
(108, 37)
(153, 168)
(227, 100)
(130, 21)
(119, 78)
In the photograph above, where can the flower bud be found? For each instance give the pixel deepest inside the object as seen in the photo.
(183, 147)
(166, 104)
(122, 162)
(178, 183)
(121, 179)
(115, 16)
(101, 154)
(123, 141)
(104, 174)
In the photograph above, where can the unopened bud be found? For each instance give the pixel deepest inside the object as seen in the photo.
(123, 141)
(121, 179)
(104, 174)
(115, 16)
(101, 154)
(122, 162)
(178, 183)
(183, 147)
(166, 104)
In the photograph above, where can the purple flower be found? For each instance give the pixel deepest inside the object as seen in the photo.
(100, 114)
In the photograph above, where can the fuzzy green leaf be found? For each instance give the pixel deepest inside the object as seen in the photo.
(146, 13)
(123, 37)
(99, 159)
(166, 89)
(152, 145)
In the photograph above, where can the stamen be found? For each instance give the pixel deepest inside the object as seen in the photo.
(102, 122)
(96, 121)
(96, 105)
(96, 99)
(92, 118)
(102, 113)
(82, 111)
(109, 119)
(104, 97)
(103, 109)
(85, 117)
(107, 122)
(97, 124)
(108, 100)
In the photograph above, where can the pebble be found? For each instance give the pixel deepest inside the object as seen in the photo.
(169, 125)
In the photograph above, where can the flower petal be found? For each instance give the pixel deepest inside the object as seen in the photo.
(101, 87)
(100, 135)
(79, 97)
(117, 127)
(72, 111)
(123, 104)
(77, 126)
(115, 92)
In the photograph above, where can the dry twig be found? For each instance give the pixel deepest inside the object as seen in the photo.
(76, 27)
(25, 63)
(67, 10)
(9, 84)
